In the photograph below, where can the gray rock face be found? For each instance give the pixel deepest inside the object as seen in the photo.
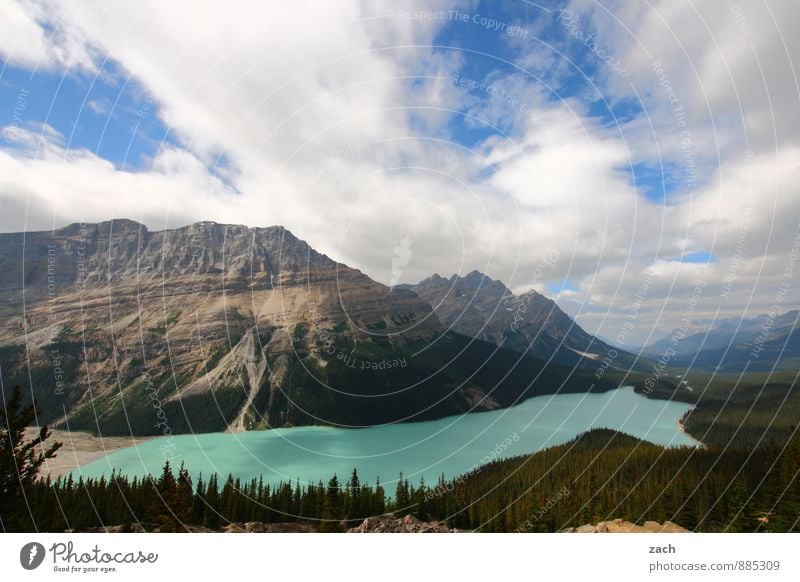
(408, 524)
(480, 307)
(179, 313)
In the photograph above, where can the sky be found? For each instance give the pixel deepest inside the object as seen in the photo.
(639, 162)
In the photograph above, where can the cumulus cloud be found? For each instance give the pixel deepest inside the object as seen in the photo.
(26, 41)
(718, 90)
(46, 185)
(341, 127)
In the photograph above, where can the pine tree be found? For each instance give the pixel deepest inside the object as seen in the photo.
(198, 507)
(20, 460)
(183, 497)
(166, 500)
(332, 510)
(402, 497)
(379, 507)
(353, 510)
(419, 500)
(211, 517)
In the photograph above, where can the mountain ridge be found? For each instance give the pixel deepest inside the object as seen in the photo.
(530, 323)
(120, 330)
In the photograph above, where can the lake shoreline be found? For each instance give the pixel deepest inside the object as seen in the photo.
(451, 445)
(79, 448)
(682, 428)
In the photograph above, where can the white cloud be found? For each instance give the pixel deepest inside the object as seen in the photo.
(45, 185)
(332, 118)
(25, 42)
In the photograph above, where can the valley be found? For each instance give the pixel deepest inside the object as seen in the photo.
(118, 330)
(420, 450)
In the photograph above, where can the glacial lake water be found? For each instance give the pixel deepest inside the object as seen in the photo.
(451, 445)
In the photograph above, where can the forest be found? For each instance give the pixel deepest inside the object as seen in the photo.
(744, 410)
(600, 475)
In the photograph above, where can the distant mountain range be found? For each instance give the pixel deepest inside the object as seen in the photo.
(120, 330)
(735, 344)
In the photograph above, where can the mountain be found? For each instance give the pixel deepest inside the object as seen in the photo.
(480, 307)
(120, 330)
(735, 344)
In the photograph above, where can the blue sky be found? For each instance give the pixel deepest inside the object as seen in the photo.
(108, 112)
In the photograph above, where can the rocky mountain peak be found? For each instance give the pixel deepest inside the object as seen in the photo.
(474, 277)
(468, 284)
(479, 306)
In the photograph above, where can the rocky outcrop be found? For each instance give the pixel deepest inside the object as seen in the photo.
(238, 527)
(622, 526)
(131, 528)
(408, 524)
(259, 527)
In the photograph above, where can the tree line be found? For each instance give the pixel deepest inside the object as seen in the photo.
(599, 475)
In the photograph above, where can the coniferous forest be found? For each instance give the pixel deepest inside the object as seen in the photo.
(600, 475)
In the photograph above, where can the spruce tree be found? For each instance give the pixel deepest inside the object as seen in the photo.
(353, 510)
(402, 497)
(332, 510)
(211, 518)
(20, 461)
(379, 507)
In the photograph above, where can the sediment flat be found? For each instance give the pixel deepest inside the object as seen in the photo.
(79, 448)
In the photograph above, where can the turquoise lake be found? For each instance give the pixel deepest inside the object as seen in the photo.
(451, 445)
